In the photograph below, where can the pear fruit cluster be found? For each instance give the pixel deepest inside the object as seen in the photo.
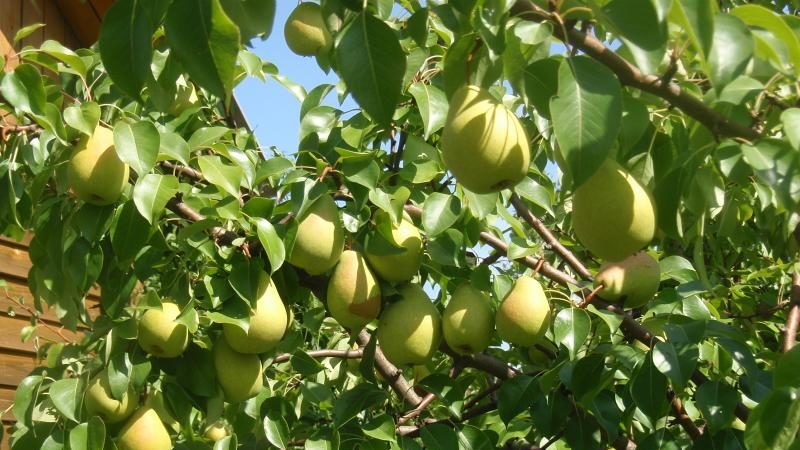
(95, 174)
(305, 30)
(633, 281)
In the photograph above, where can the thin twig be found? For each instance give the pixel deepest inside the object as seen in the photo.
(325, 353)
(793, 318)
(680, 413)
(37, 317)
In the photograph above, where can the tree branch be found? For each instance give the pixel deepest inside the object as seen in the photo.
(793, 318)
(325, 353)
(390, 372)
(680, 413)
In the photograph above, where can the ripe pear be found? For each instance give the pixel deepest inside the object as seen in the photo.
(95, 173)
(268, 322)
(320, 238)
(160, 335)
(305, 30)
(612, 214)
(354, 296)
(396, 265)
(409, 329)
(239, 374)
(524, 316)
(100, 402)
(483, 142)
(467, 321)
(144, 431)
(634, 280)
(216, 431)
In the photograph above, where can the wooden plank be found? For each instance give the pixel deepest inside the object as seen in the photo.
(24, 243)
(101, 7)
(11, 19)
(81, 19)
(56, 28)
(15, 262)
(33, 12)
(10, 328)
(13, 368)
(18, 291)
(6, 399)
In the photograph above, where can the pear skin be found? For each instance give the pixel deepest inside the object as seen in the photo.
(409, 330)
(320, 238)
(160, 335)
(483, 143)
(305, 30)
(613, 214)
(268, 322)
(99, 401)
(354, 296)
(95, 174)
(634, 280)
(467, 321)
(239, 374)
(524, 316)
(403, 265)
(144, 431)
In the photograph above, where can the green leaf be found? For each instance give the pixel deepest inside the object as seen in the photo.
(24, 397)
(787, 370)
(761, 17)
(228, 178)
(277, 430)
(126, 45)
(67, 397)
(151, 194)
(516, 395)
(586, 115)
(88, 436)
(696, 17)
(24, 90)
(26, 31)
(717, 402)
(83, 118)
(206, 136)
(352, 402)
(677, 268)
(648, 387)
(732, 50)
(252, 17)
(381, 428)
(541, 83)
(137, 145)
(432, 105)
(666, 360)
(773, 424)
(472, 438)
(173, 146)
(440, 437)
(129, 233)
(439, 213)
(638, 25)
(65, 55)
(206, 42)
(571, 327)
(791, 126)
(272, 243)
(372, 65)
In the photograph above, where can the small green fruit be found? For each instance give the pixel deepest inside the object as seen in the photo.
(320, 238)
(305, 31)
(483, 142)
(524, 316)
(144, 431)
(634, 280)
(467, 321)
(95, 173)
(395, 265)
(160, 335)
(100, 402)
(354, 296)
(216, 431)
(268, 322)
(239, 374)
(612, 214)
(409, 329)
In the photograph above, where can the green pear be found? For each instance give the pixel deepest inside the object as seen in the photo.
(156, 401)
(467, 321)
(354, 296)
(397, 265)
(483, 143)
(144, 431)
(100, 402)
(320, 238)
(239, 374)
(160, 335)
(305, 30)
(410, 328)
(268, 322)
(216, 431)
(524, 316)
(95, 174)
(613, 214)
(634, 280)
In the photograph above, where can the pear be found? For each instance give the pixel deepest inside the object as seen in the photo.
(398, 265)
(95, 174)
(467, 321)
(409, 329)
(100, 402)
(268, 322)
(354, 296)
(239, 374)
(524, 316)
(541, 354)
(216, 431)
(305, 31)
(156, 401)
(320, 238)
(160, 335)
(634, 280)
(612, 214)
(144, 431)
(483, 143)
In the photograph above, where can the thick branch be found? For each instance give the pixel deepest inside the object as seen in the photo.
(343, 354)
(683, 418)
(793, 318)
(390, 372)
(220, 234)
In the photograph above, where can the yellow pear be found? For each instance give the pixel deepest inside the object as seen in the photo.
(95, 173)
(216, 431)
(397, 265)
(409, 329)
(354, 296)
(524, 316)
(483, 143)
(634, 280)
(239, 374)
(612, 213)
(320, 238)
(156, 401)
(160, 335)
(305, 31)
(144, 431)
(268, 322)
(100, 402)
(467, 321)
